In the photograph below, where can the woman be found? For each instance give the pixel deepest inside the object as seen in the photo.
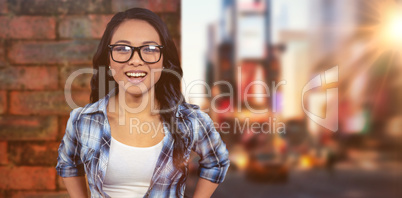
(135, 137)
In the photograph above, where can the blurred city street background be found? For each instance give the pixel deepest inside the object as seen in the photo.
(332, 70)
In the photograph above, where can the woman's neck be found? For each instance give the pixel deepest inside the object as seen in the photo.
(143, 105)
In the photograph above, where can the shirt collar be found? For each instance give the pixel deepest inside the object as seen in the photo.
(100, 105)
(184, 109)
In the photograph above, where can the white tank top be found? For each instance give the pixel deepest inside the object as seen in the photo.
(130, 169)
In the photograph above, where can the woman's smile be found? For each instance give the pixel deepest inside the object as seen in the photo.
(136, 76)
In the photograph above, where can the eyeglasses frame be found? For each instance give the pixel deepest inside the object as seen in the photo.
(134, 49)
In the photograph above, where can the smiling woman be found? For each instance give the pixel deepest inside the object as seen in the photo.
(148, 158)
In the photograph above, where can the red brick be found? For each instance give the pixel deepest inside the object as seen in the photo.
(28, 128)
(62, 126)
(3, 153)
(3, 102)
(28, 178)
(90, 26)
(33, 153)
(80, 82)
(30, 78)
(177, 43)
(52, 52)
(53, 7)
(39, 194)
(122, 5)
(172, 21)
(154, 5)
(45, 102)
(60, 183)
(2, 54)
(28, 27)
(164, 5)
(3, 6)
(98, 24)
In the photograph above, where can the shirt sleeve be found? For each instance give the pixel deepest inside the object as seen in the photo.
(214, 161)
(68, 161)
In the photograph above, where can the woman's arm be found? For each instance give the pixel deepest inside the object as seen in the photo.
(69, 165)
(76, 186)
(214, 161)
(204, 188)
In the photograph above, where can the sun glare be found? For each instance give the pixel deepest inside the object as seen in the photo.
(391, 27)
(395, 28)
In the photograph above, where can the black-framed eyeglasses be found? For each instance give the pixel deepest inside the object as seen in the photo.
(148, 53)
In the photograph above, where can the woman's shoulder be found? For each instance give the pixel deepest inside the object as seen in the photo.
(89, 108)
(188, 106)
(187, 110)
(192, 111)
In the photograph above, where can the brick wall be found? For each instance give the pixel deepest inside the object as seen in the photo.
(41, 43)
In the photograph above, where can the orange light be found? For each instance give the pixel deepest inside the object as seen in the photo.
(242, 161)
(306, 162)
(239, 157)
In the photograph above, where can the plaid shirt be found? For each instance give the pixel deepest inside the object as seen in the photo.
(85, 147)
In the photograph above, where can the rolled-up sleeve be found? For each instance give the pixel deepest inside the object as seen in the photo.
(214, 156)
(68, 161)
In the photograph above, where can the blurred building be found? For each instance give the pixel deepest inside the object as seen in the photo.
(356, 94)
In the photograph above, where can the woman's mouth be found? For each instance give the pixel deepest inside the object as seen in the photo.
(136, 76)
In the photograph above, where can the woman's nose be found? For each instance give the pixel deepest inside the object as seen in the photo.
(136, 59)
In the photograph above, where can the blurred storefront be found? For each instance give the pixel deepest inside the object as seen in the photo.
(268, 52)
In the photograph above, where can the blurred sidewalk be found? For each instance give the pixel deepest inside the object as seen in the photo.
(349, 180)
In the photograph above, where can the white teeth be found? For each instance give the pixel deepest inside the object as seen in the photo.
(136, 74)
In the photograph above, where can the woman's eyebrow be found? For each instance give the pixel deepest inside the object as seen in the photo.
(129, 43)
(149, 42)
(123, 41)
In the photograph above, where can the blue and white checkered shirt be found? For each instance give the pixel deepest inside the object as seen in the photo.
(85, 147)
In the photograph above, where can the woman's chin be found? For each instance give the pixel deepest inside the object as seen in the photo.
(136, 91)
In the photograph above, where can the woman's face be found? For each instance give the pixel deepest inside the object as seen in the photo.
(135, 76)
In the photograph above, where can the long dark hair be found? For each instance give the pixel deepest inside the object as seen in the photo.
(167, 89)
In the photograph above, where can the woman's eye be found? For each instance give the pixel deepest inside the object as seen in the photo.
(121, 49)
(151, 49)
